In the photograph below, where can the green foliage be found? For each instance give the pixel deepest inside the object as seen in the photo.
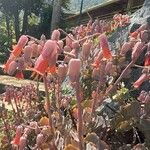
(4, 42)
(122, 95)
(33, 19)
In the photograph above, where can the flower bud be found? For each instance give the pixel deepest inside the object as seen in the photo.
(62, 71)
(12, 67)
(125, 48)
(74, 69)
(27, 52)
(34, 47)
(96, 73)
(22, 41)
(22, 143)
(55, 35)
(86, 47)
(48, 48)
(142, 78)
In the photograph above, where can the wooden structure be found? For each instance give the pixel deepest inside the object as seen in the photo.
(106, 10)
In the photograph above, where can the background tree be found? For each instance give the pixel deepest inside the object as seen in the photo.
(57, 13)
(31, 17)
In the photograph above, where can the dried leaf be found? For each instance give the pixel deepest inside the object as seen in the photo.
(70, 147)
(44, 121)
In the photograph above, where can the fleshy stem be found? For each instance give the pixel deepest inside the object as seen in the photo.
(120, 77)
(6, 128)
(95, 101)
(48, 103)
(80, 119)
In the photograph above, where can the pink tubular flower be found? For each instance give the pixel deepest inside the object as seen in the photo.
(96, 73)
(147, 59)
(53, 58)
(41, 65)
(86, 47)
(62, 71)
(137, 50)
(142, 78)
(144, 36)
(74, 69)
(55, 35)
(39, 49)
(109, 68)
(22, 143)
(48, 48)
(34, 47)
(22, 41)
(12, 68)
(16, 140)
(27, 52)
(20, 45)
(105, 47)
(125, 48)
(47, 57)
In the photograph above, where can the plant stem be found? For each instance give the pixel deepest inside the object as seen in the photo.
(95, 101)
(58, 93)
(80, 119)
(16, 106)
(6, 129)
(120, 77)
(48, 103)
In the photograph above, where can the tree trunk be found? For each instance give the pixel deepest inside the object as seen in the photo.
(16, 24)
(25, 22)
(7, 25)
(56, 14)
